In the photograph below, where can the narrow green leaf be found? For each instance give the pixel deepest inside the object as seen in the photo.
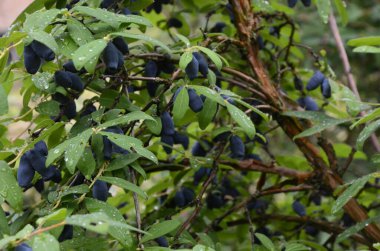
(84, 54)
(75, 149)
(125, 185)
(341, 7)
(372, 41)
(242, 119)
(349, 193)
(160, 229)
(181, 105)
(79, 32)
(355, 229)
(184, 39)
(369, 117)
(125, 119)
(50, 108)
(122, 161)
(3, 101)
(87, 163)
(320, 127)
(96, 222)
(366, 133)
(367, 49)
(207, 114)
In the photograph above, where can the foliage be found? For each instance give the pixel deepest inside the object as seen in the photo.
(183, 125)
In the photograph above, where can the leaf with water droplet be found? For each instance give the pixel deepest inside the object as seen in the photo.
(242, 120)
(88, 52)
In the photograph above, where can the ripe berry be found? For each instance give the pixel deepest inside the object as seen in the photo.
(167, 124)
(311, 230)
(111, 58)
(215, 200)
(166, 66)
(76, 82)
(107, 148)
(167, 139)
(23, 247)
(69, 109)
(299, 208)
(326, 88)
(182, 139)
(41, 147)
(179, 199)
(174, 22)
(260, 206)
(87, 110)
(192, 69)
(200, 174)
(188, 194)
(308, 103)
(199, 150)
(39, 185)
(237, 147)
(100, 190)
(218, 27)
(162, 242)
(306, 3)
(52, 173)
(222, 136)
(298, 83)
(106, 3)
(195, 101)
(292, 3)
(151, 70)
(315, 81)
(203, 65)
(67, 233)
(32, 61)
(68, 79)
(42, 51)
(25, 172)
(38, 161)
(121, 45)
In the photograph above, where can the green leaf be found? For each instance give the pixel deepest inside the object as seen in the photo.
(320, 127)
(366, 133)
(341, 7)
(84, 54)
(129, 143)
(73, 149)
(181, 105)
(79, 32)
(143, 38)
(125, 185)
(184, 39)
(45, 242)
(296, 247)
(242, 119)
(46, 39)
(27, 230)
(9, 189)
(117, 232)
(324, 9)
(50, 108)
(43, 81)
(3, 101)
(349, 193)
(125, 119)
(139, 169)
(355, 229)
(111, 18)
(265, 241)
(39, 20)
(161, 229)
(207, 114)
(367, 49)
(213, 56)
(87, 163)
(122, 161)
(369, 117)
(185, 59)
(372, 41)
(260, 113)
(96, 222)
(4, 227)
(56, 216)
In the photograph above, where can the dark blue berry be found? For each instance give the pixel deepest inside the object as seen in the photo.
(100, 190)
